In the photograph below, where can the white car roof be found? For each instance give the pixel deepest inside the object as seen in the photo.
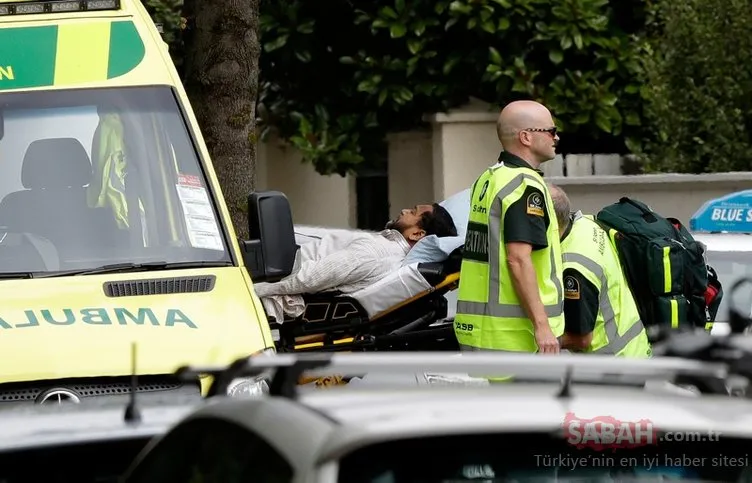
(38, 426)
(320, 425)
(725, 242)
(370, 416)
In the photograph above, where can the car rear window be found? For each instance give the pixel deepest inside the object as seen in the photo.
(102, 462)
(522, 457)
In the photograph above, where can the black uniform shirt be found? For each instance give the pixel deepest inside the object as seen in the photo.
(527, 219)
(580, 300)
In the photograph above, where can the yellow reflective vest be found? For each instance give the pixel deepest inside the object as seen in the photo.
(489, 313)
(107, 187)
(109, 165)
(618, 328)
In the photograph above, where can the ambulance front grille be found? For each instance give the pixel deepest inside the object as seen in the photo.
(160, 286)
(96, 387)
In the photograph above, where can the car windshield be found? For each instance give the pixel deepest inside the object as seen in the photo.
(730, 267)
(95, 177)
(543, 457)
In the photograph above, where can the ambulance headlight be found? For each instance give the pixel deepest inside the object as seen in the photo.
(251, 386)
(248, 387)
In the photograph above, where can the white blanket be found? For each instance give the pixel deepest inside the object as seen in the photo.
(357, 258)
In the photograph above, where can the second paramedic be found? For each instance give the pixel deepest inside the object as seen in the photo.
(599, 311)
(510, 294)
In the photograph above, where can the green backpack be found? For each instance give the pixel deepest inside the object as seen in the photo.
(664, 265)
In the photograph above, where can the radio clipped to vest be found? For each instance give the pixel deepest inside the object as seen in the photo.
(664, 265)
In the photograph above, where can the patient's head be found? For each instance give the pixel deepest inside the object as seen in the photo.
(423, 220)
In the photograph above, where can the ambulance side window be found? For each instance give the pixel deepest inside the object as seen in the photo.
(212, 451)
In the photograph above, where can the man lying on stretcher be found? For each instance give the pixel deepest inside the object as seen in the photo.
(355, 262)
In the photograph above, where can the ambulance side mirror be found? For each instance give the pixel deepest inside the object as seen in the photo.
(269, 255)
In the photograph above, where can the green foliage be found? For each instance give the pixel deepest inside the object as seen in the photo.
(335, 80)
(167, 13)
(698, 73)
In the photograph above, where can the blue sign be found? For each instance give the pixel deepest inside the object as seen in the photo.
(730, 213)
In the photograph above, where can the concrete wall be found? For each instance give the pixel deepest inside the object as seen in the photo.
(462, 143)
(315, 199)
(435, 163)
(675, 195)
(410, 170)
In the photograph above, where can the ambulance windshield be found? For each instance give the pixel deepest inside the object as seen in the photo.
(93, 177)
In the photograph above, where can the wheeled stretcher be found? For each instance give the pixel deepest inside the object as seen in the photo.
(406, 310)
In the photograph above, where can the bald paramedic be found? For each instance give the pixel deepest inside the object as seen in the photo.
(599, 311)
(510, 296)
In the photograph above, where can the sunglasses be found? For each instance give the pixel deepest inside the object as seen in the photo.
(550, 130)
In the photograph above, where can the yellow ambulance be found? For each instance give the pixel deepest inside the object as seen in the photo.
(113, 230)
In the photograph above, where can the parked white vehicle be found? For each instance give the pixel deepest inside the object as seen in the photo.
(565, 418)
(724, 226)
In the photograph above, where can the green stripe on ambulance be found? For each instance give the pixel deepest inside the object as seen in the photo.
(68, 54)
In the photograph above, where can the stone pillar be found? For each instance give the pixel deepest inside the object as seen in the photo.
(464, 144)
(410, 170)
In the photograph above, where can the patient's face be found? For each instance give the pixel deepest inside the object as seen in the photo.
(407, 222)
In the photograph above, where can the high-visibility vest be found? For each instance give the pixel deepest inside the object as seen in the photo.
(489, 314)
(618, 328)
(107, 187)
(109, 166)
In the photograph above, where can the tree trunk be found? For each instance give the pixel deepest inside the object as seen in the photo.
(221, 79)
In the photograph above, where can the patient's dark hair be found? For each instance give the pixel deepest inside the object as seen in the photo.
(437, 222)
